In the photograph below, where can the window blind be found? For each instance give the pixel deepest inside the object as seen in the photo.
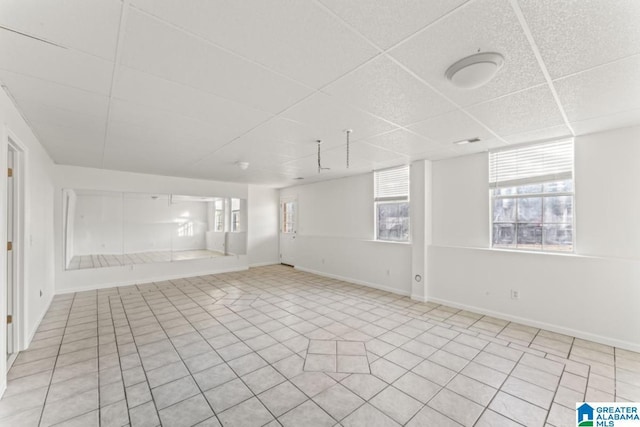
(550, 161)
(391, 184)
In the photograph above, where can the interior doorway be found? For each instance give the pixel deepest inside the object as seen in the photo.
(288, 231)
(14, 226)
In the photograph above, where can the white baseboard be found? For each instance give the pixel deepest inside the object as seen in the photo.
(419, 298)
(356, 281)
(147, 280)
(25, 345)
(262, 264)
(542, 325)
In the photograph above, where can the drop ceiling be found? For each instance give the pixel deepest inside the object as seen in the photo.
(191, 88)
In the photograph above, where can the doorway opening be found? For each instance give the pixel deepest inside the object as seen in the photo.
(14, 259)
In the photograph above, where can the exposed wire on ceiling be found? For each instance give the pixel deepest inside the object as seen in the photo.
(348, 131)
(320, 168)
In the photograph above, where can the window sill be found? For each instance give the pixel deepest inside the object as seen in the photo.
(393, 242)
(533, 251)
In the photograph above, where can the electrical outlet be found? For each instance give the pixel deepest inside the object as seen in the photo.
(388, 272)
(515, 294)
(323, 260)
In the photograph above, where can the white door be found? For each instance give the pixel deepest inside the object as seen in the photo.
(288, 230)
(10, 265)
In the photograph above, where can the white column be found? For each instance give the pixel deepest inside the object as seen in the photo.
(420, 196)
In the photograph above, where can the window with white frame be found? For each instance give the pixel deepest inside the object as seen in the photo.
(219, 215)
(235, 214)
(532, 197)
(391, 199)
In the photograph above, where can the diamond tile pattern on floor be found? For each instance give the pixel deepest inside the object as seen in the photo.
(276, 346)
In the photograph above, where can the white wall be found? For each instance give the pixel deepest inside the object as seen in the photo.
(97, 179)
(336, 235)
(263, 225)
(593, 293)
(608, 194)
(38, 227)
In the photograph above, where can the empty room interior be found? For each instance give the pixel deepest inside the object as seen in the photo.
(308, 213)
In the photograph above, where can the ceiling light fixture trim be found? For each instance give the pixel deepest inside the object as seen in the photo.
(475, 70)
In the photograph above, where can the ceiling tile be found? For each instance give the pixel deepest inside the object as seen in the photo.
(330, 118)
(130, 152)
(561, 131)
(403, 142)
(89, 26)
(296, 38)
(77, 157)
(155, 48)
(523, 111)
(145, 89)
(260, 154)
(576, 35)
(482, 25)
(50, 94)
(63, 119)
(387, 22)
(451, 127)
(602, 123)
(168, 128)
(279, 129)
(160, 164)
(71, 145)
(360, 151)
(23, 55)
(385, 89)
(213, 168)
(601, 91)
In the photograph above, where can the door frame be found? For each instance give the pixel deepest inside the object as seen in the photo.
(11, 142)
(284, 200)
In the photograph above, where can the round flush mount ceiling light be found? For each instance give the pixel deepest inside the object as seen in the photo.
(475, 70)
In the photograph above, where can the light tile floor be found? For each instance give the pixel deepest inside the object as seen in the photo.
(236, 349)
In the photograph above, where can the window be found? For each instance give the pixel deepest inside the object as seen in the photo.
(219, 215)
(288, 216)
(391, 199)
(235, 214)
(531, 190)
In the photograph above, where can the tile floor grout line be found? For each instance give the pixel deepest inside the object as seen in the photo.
(53, 371)
(303, 304)
(115, 341)
(98, 353)
(499, 389)
(190, 373)
(133, 341)
(256, 396)
(555, 393)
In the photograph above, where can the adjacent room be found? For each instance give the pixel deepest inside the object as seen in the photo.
(301, 213)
